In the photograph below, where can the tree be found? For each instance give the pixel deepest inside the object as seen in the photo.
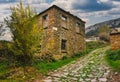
(103, 33)
(26, 33)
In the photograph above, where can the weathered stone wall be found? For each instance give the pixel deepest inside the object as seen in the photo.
(75, 41)
(115, 41)
(55, 32)
(47, 44)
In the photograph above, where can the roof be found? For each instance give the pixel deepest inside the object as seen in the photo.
(54, 6)
(114, 31)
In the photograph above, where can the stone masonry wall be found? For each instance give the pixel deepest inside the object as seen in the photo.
(47, 44)
(55, 32)
(75, 41)
(115, 41)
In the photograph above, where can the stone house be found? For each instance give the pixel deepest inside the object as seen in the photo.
(63, 34)
(115, 38)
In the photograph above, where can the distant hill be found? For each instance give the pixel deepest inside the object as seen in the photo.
(94, 29)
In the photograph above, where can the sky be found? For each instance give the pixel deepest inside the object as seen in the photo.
(90, 11)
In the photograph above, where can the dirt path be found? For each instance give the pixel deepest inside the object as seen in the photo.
(90, 68)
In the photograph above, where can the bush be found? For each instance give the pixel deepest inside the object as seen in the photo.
(104, 37)
(78, 54)
(5, 53)
(64, 58)
(114, 55)
(95, 44)
(3, 48)
(113, 59)
(47, 58)
(88, 50)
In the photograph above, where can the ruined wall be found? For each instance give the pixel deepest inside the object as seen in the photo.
(115, 41)
(67, 30)
(47, 44)
(57, 29)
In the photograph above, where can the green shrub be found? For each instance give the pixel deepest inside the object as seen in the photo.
(64, 58)
(114, 55)
(46, 58)
(95, 44)
(88, 50)
(3, 68)
(79, 54)
(113, 59)
(45, 67)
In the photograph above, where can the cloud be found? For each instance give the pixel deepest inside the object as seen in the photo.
(81, 8)
(8, 1)
(65, 4)
(115, 0)
(92, 6)
(87, 10)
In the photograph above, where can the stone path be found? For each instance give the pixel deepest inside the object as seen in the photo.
(90, 68)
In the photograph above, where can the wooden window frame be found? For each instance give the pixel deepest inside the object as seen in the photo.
(63, 17)
(77, 27)
(45, 17)
(64, 45)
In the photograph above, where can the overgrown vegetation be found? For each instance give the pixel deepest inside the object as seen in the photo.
(94, 45)
(113, 59)
(101, 32)
(26, 35)
(3, 67)
(44, 67)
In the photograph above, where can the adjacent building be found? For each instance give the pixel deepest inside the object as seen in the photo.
(63, 34)
(115, 38)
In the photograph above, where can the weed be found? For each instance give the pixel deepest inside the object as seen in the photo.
(113, 59)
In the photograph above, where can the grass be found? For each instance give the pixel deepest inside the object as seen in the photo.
(113, 59)
(94, 45)
(44, 67)
(3, 68)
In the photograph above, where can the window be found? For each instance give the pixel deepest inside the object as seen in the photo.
(45, 27)
(64, 17)
(45, 23)
(63, 44)
(77, 24)
(64, 22)
(45, 17)
(78, 27)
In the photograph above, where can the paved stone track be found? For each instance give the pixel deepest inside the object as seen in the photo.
(90, 68)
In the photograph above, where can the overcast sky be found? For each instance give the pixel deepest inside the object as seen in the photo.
(91, 11)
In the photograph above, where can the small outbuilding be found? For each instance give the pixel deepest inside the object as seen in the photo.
(115, 38)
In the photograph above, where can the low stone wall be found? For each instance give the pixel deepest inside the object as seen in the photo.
(115, 41)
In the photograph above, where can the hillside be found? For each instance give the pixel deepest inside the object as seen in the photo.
(93, 30)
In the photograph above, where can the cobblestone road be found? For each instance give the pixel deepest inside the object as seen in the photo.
(90, 68)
